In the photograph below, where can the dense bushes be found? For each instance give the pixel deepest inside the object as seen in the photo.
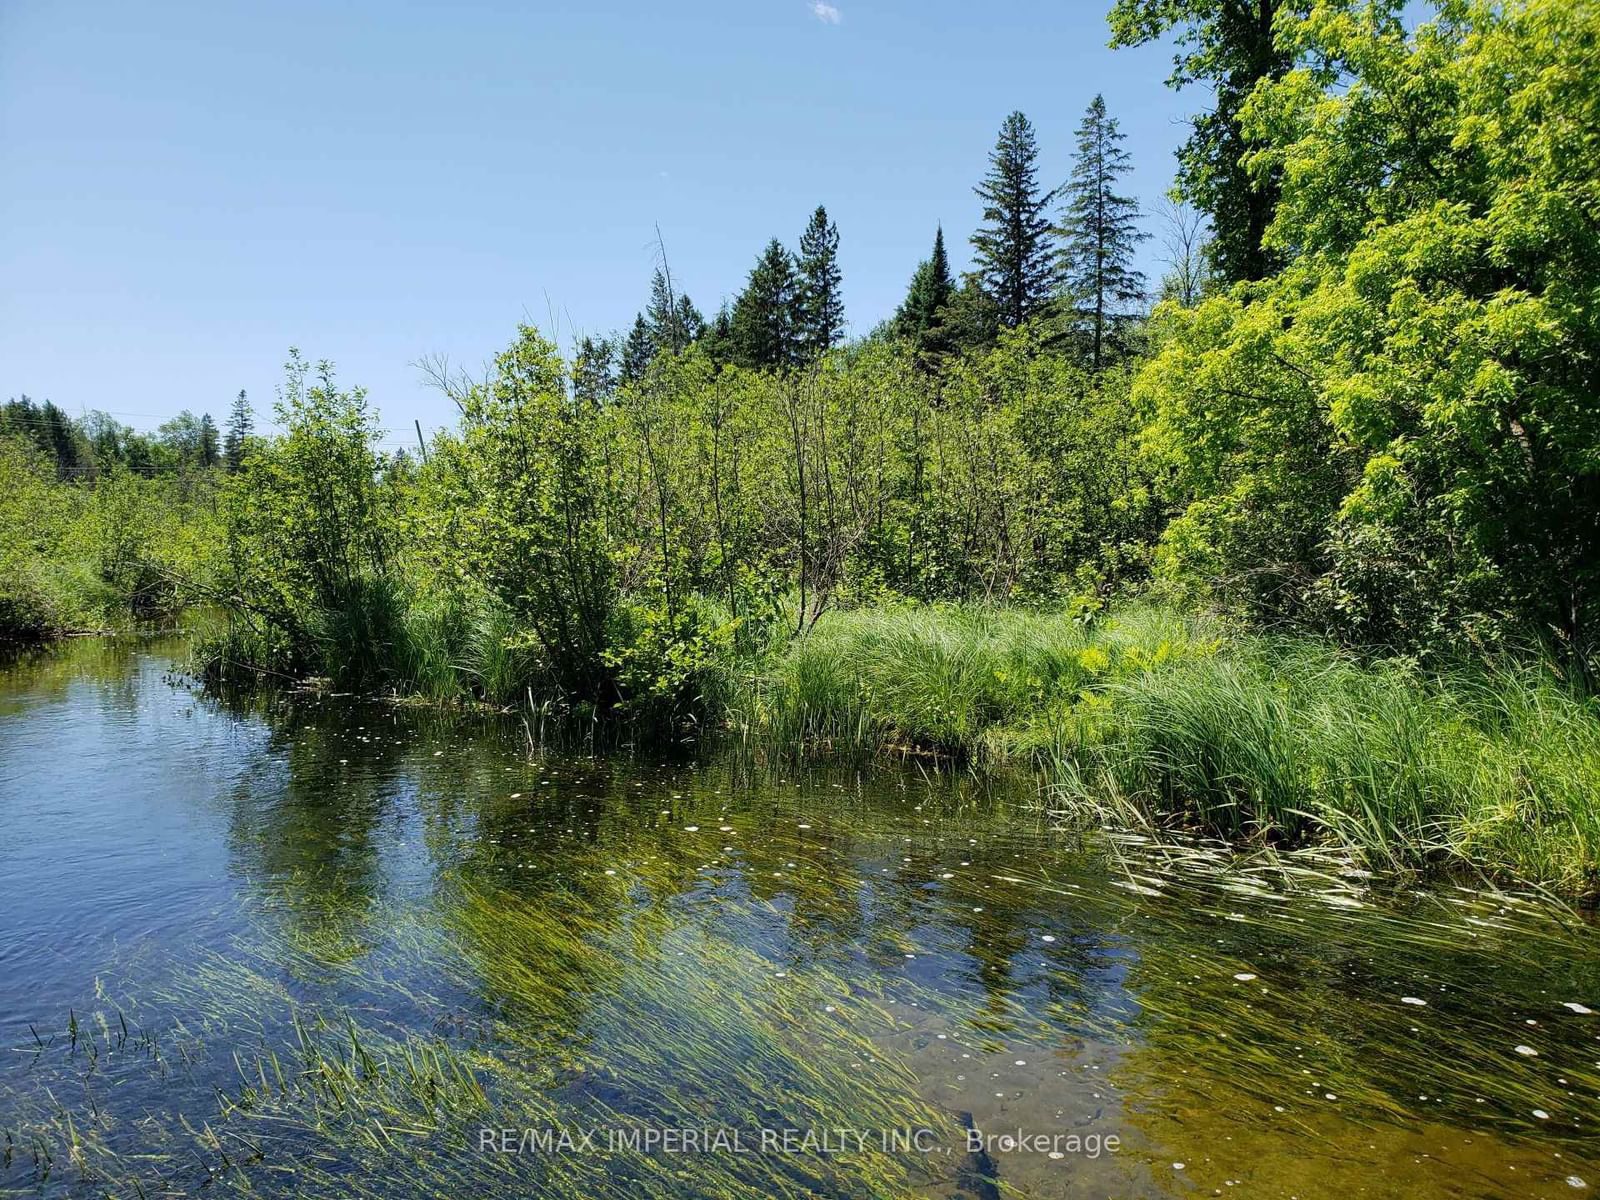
(630, 541)
(108, 552)
(1395, 438)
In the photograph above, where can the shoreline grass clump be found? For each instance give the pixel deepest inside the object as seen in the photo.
(1148, 718)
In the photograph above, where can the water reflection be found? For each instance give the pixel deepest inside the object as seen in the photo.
(441, 933)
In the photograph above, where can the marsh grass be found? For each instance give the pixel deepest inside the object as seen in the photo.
(569, 1011)
(1147, 719)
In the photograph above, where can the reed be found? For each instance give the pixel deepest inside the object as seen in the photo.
(1146, 718)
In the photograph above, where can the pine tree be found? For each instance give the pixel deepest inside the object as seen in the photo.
(923, 316)
(972, 318)
(1014, 251)
(1100, 230)
(675, 323)
(690, 324)
(762, 329)
(819, 299)
(718, 337)
(594, 379)
(209, 453)
(638, 351)
(240, 424)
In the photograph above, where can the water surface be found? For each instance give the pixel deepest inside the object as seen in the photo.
(318, 946)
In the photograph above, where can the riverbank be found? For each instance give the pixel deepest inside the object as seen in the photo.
(1137, 718)
(1147, 718)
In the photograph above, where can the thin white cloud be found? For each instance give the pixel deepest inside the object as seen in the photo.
(825, 12)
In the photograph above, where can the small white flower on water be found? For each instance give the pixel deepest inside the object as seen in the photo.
(1541, 1114)
(1527, 1051)
(1244, 977)
(1420, 1003)
(1581, 1010)
(1574, 1182)
(1049, 937)
(691, 829)
(805, 827)
(1329, 1096)
(1022, 1062)
(1177, 1166)
(829, 1008)
(1057, 1154)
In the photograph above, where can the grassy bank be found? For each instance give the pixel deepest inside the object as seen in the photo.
(1150, 718)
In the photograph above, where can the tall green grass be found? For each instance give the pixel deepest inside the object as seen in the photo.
(1145, 717)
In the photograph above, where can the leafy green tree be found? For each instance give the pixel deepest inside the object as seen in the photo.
(1397, 435)
(310, 532)
(922, 318)
(1099, 234)
(182, 436)
(717, 341)
(1014, 249)
(525, 505)
(1229, 46)
(52, 430)
(691, 326)
(819, 300)
(241, 423)
(764, 328)
(972, 317)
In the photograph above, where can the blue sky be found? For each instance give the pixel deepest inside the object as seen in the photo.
(190, 189)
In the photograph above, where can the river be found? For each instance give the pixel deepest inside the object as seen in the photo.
(313, 945)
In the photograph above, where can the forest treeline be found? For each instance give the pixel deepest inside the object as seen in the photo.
(1364, 405)
(1361, 412)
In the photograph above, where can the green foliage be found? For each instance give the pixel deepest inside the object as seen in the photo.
(1013, 251)
(819, 302)
(764, 329)
(1395, 436)
(241, 424)
(309, 531)
(1228, 47)
(523, 511)
(923, 318)
(1099, 233)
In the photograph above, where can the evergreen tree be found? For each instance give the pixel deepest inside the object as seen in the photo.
(1014, 250)
(972, 318)
(674, 321)
(762, 330)
(1100, 231)
(208, 446)
(923, 317)
(819, 300)
(594, 378)
(718, 337)
(638, 351)
(240, 424)
(1229, 47)
(691, 326)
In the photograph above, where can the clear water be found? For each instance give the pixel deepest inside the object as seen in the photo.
(827, 977)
